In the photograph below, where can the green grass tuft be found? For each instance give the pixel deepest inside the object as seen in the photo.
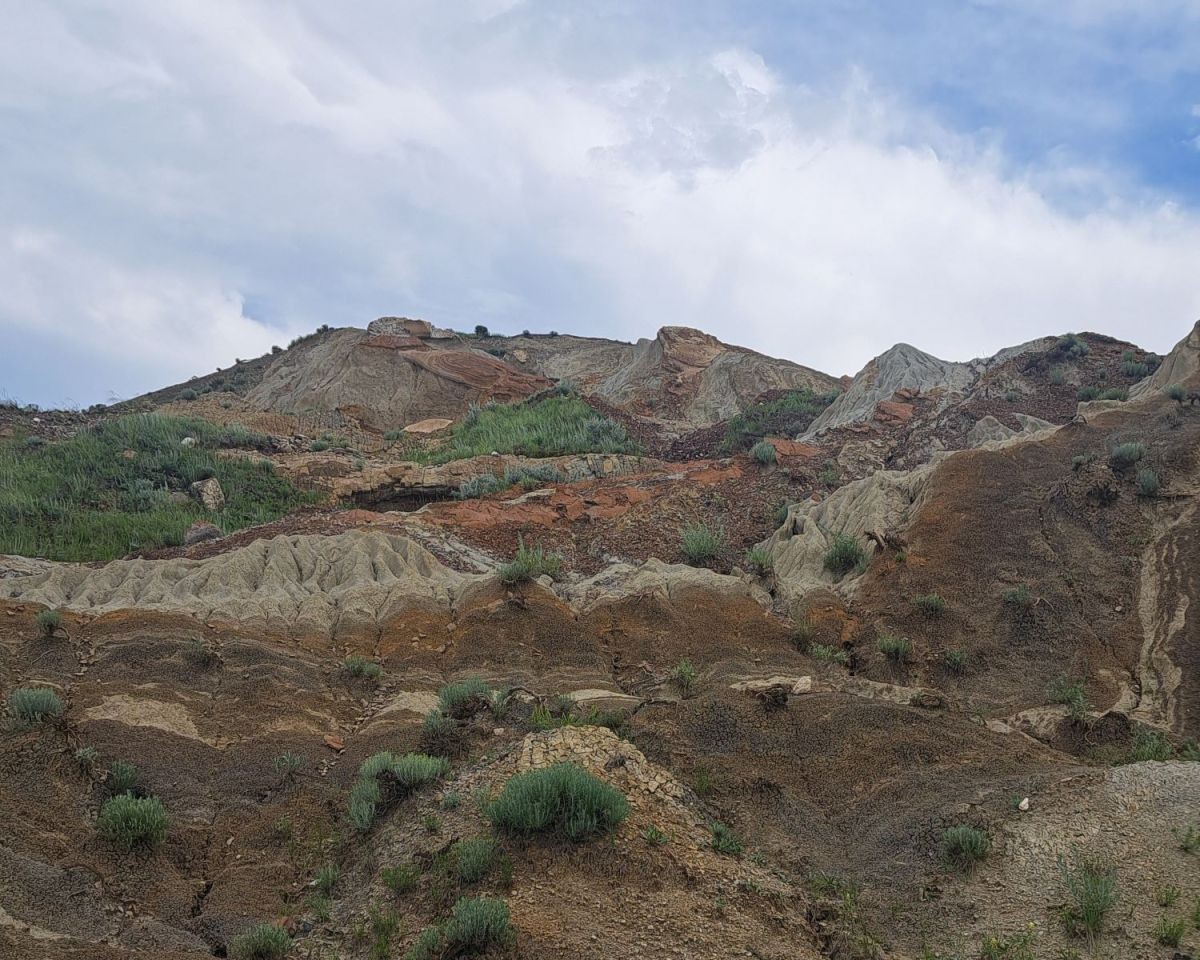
(844, 554)
(725, 840)
(49, 622)
(361, 668)
(786, 416)
(127, 821)
(29, 706)
(529, 564)
(263, 942)
(930, 604)
(700, 544)
(474, 858)
(764, 453)
(1091, 886)
(964, 846)
(896, 649)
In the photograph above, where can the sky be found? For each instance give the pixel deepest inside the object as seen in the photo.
(185, 183)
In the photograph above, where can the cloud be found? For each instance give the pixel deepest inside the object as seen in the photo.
(196, 182)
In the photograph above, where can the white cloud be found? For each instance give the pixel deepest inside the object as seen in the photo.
(199, 181)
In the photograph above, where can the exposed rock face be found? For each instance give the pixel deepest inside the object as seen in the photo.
(387, 384)
(904, 370)
(990, 430)
(1181, 366)
(200, 531)
(401, 327)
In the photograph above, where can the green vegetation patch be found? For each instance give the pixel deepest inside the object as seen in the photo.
(107, 491)
(550, 427)
(28, 706)
(127, 821)
(786, 416)
(562, 799)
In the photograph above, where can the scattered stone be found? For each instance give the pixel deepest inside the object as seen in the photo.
(200, 531)
(188, 442)
(209, 493)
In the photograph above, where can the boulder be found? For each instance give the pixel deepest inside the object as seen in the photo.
(200, 531)
(209, 493)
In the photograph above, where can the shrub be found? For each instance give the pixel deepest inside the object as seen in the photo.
(1167, 896)
(683, 678)
(49, 622)
(318, 446)
(1169, 931)
(1176, 392)
(786, 416)
(1016, 946)
(481, 330)
(964, 846)
(431, 823)
(529, 564)
(480, 486)
(562, 799)
(781, 512)
(1147, 483)
(464, 698)
(895, 649)
(759, 560)
(844, 554)
(725, 840)
(188, 394)
(200, 654)
(127, 821)
(473, 858)
(361, 668)
(122, 778)
(830, 475)
(700, 544)
(263, 942)
(1114, 393)
(385, 778)
(451, 800)
(28, 706)
(764, 453)
(1058, 376)
(1091, 886)
(1081, 460)
(1070, 346)
(1134, 369)
(702, 782)
(326, 878)
(288, 764)
(955, 661)
(401, 879)
(1088, 393)
(930, 604)
(1189, 839)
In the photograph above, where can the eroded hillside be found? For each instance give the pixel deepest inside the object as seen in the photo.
(700, 658)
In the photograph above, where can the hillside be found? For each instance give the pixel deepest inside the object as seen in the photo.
(700, 654)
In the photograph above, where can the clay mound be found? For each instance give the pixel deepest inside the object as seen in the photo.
(386, 380)
(1181, 366)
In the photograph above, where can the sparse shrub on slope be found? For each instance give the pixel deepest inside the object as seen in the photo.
(844, 554)
(263, 942)
(464, 698)
(786, 416)
(1091, 886)
(127, 821)
(1125, 455)
(563, 799)
(764, 453)
(700, 544)
(385, 778)
(360, 668)
(105, 492)
(475, 926)
(964, 846)
(49, 622)
(546, 427)
(28, 706)
(529, 564)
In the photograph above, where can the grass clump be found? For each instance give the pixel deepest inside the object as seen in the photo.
(563, 799)
(1015, 946)
(827, 654)
(122, 778)
(1150, 745)
(1114, 393)
(49, 622)
(30, 706)
(1169, 931)
(473, 859)
(785, 416)
(475, 925)
(360, 668)
(956, 661)
(896, 649)
(106, 491)
(930, 604)
(1018, 598)
(529, 564)
(844, 555)
(1070, 694)
(654, 836)
(964, 846)
(384, 779)
(1070, 346)
(401, 879)
(326, 878)
(1091, 886)
(764, 453)
(683, 678)
(1147, 483)
(127, 821)
(549, 427)
(479, 486)
(1176, 392)
(759, 560)
(700, 544)
(87, 759)
(464, 698)
(288, 764)
(263, 942)
(1088, 393)
(1125, 455)
(725, 840)
(441, 736)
